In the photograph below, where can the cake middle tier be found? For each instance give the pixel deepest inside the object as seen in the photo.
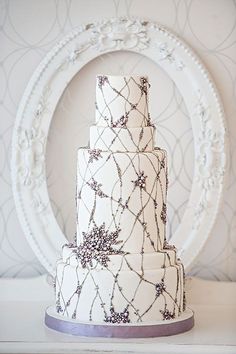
(122, 139)
(121, 199)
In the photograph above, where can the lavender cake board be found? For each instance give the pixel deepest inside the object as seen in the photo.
(161, 328)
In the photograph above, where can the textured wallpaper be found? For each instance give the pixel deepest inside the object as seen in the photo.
(29, 29)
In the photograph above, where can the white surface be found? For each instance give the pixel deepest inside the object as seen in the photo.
(23, 331)
(43, 92)
(29, 29)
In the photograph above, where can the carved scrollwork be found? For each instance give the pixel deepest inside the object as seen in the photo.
(120, 34)
(31, 147)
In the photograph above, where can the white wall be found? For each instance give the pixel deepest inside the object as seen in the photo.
(30, 28)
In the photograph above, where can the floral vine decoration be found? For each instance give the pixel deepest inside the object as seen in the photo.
(98, 244)
(140, 181)
(118, 317)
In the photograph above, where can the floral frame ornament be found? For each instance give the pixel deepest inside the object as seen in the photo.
(43, 93)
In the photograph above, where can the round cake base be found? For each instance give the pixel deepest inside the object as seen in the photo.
(161, 328)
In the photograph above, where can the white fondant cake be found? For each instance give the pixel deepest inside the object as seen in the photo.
(120, 268)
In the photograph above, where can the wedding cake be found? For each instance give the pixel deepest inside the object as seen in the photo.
(121, 271)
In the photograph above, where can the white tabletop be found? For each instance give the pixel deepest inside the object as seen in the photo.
(22, 328)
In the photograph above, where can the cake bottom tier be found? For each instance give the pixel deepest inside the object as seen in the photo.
(124, 296)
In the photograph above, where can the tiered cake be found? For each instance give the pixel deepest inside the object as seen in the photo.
(121, 270)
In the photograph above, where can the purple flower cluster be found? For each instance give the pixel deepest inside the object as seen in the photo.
(97, 245)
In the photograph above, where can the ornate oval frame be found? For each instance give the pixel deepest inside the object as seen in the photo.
(43, 93)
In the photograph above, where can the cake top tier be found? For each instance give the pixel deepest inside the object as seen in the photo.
(122, 101)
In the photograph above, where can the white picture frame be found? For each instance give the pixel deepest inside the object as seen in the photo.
(40, 100)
